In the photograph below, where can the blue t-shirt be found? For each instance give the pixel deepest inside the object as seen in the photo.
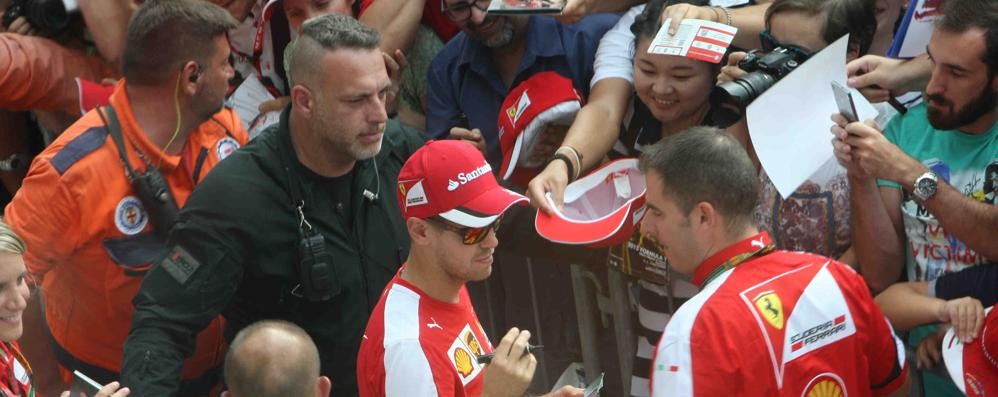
(463, 78)
(967, 162)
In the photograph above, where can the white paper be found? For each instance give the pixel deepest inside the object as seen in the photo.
(247, 98)
(694, 38)
(789, 124)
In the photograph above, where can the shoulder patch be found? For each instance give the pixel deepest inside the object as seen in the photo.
(180, 264)
(78, 148)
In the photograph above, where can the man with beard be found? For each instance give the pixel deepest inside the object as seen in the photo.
(918, 187)
(469, 79)
(90, 230)
(298, 226)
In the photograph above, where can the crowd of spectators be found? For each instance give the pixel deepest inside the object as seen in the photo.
(213, 197)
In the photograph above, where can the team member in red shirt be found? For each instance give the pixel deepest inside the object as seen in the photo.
(423, 338)
(90, 234)
(765, 322)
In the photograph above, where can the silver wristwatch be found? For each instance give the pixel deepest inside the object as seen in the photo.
(925, 186)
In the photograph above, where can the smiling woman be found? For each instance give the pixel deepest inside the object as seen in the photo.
(15, 373)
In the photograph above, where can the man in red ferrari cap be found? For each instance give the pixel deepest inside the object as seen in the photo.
(423, 338)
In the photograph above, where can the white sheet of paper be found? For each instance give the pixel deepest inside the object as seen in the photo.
(790, 123)
(247, 98)
(694, 38)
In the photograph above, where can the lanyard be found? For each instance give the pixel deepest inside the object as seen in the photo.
(257, 50)
(757, 245)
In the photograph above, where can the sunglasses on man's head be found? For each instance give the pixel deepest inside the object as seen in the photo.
(769, 43)
(461, 10)
(469, 235)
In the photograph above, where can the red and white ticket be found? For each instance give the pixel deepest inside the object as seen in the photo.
(695, 38)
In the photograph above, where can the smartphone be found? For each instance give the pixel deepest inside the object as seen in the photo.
(843, 98)
(83, 386)
(592, 390)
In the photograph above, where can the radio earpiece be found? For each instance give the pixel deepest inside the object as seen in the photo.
(196, 75)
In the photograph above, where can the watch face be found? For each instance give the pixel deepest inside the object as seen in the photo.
(925, 187)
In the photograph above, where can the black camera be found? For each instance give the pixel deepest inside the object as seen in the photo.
(49, 17)
(155, 195)
(763, 71)
(316, 270)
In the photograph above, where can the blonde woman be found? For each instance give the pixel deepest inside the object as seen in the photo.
(15, 372)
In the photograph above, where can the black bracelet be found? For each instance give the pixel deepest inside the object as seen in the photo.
(568, 163)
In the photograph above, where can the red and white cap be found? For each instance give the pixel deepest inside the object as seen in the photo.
(546, 98)
(974, 367)
(601, 209)
(451, 178)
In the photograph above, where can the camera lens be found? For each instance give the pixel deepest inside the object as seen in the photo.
(731, 98)
(743, 91)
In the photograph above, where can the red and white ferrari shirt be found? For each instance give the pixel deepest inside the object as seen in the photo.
(780, 323)
(415, 345)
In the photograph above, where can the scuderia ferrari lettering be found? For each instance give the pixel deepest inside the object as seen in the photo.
(465, 177)
(817, 333)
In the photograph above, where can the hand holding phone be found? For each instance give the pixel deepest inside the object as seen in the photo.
(843, 98)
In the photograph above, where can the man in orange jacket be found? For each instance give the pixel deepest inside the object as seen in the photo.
(92, 210)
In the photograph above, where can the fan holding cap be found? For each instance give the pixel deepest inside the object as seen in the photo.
(533, 121)
(424, 338)
(974, 365)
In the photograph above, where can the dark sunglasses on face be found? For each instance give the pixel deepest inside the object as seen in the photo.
(469, 235)
(769, 43)
(461, 10)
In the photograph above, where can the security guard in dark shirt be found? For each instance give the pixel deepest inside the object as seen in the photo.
(301, 225)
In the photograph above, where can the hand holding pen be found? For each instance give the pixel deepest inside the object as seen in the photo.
(511, 367)
(487, 357)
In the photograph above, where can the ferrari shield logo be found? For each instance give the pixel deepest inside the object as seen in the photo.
(771, 308)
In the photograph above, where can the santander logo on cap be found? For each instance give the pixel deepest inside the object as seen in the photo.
(463, 178)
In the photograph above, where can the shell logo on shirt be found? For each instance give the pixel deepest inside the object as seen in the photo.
(825, 385)
(462, 361)
(463, 353)
(771, 308)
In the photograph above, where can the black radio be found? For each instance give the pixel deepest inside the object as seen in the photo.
(155, 195)
(316, 270)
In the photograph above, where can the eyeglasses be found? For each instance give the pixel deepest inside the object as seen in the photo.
(460, 11)
(769, 43)
(469, 235)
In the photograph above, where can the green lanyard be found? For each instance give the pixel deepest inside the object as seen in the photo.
(737, 260)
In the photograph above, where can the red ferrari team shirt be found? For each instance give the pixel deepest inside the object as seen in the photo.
(416, 346)
(782, 323)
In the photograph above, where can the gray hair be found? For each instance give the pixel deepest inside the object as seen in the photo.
(327, 33)
(164, 34)
(705, 164)
(9, 240)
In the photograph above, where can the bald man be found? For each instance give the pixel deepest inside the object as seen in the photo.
(274, 358)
